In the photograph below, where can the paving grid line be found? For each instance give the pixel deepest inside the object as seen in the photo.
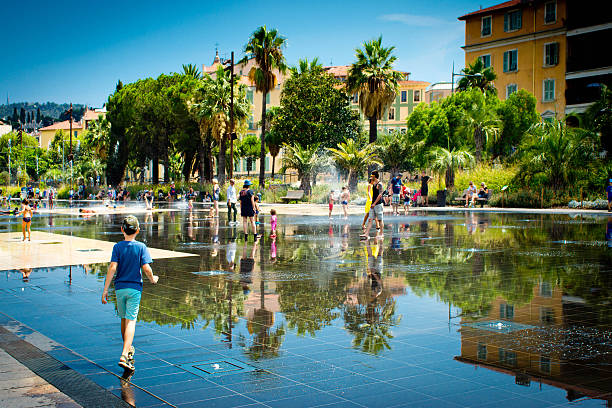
(75, 385)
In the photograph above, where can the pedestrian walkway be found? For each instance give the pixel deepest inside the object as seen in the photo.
(21, 388)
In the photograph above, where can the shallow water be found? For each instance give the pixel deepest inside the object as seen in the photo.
(315, 314)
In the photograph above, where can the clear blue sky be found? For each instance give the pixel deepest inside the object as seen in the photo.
(77, 50)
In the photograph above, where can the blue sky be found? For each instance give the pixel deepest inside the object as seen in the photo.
(77, 50)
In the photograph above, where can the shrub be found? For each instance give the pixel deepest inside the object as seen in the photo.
(4, 178)
(495, 177)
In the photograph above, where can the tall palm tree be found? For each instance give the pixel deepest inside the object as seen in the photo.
(192, 71)
(98, 136)
(354, 159)
(302, 159)
(266, 46)
(213, 111)
(372, 77)
(448, 161)
(304, 66)
(273, 139)
(477, 76)
(481, 122)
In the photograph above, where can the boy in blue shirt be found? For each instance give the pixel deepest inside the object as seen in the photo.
(128, 258)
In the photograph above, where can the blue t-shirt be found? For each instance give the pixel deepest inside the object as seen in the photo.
(130, 256)
(609, 191)
(396, 184)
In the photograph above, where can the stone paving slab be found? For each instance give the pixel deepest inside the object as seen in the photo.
(48, 250)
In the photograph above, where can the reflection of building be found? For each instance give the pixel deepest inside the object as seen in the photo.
(532, 346)
(524, 42)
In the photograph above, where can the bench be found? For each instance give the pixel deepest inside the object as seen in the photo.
(293, 195)
(480, 200)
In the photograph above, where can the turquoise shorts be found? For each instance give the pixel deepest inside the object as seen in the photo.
(128, 303)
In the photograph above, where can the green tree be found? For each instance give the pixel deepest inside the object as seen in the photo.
(266, 46)
(447, 162)
(315, 110)
(302, 159)
(393, 151)
(249, 148)
(428, 127)
(517, 114)
(98, 137)
(477, 76)
(354, 159)
(481, 122)
(192, 71)
(372, 77)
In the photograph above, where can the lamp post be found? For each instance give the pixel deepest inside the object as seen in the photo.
(454, 74)
(9, 162)
(70, 157)
(231, 130)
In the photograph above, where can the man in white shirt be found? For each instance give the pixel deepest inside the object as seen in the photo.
(232, 199)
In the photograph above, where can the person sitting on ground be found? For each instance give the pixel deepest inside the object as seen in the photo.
(86, 211)
(470, 194)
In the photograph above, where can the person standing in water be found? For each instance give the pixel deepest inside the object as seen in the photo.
(231, 202)
(345, 197)
(26, 212)
(368, 204)
(247, 209)
(216, 192)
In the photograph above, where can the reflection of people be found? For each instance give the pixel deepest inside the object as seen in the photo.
(216, 192)
(129, 257)
(375, 268)
(230, 254)
(247, 264)
(25, 274)
(345, 237)
(26, 212)
(273, 250)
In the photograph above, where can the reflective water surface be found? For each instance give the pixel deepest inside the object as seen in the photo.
(452, 309)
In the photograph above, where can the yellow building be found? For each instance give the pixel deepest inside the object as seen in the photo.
(46, 134)
(525, 43)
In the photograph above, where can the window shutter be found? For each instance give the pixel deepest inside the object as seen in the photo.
(519, 20)
(506, 28)
(506, 61)
(555, 57)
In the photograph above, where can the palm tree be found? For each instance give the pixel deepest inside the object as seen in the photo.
(192, 71)
(302, 159)
(481, 122)
(98, 136)
(266, 47)
(304, 66)
(273, 139)
(448, 161)
(354, 159)
(477, 76)
(372, 77)
(213, 111)
(557, 151)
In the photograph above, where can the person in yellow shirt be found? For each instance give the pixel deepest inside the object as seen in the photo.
(368, 204)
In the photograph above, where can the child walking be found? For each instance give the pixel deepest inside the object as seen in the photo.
(26, 212)
(128, 260)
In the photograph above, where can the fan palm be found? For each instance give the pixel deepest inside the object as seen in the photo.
(477, 76)
(481, 122)
(302, 159)
(265, 46)
(98, 136)
(213, 111)
(273, 139)
(192, 71)
(304, 66)
(448, 161)
(372, 77)
(354, 159)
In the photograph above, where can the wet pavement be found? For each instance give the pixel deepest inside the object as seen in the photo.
(449, 309)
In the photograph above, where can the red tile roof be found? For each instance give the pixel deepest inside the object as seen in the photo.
(501, 6)
(65, 125)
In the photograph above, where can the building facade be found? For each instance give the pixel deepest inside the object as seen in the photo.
(525, 44)
(46, 134)
(438, 91)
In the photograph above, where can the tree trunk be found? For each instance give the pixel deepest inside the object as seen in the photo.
(305, 184)
(372, 139)
(449, 178)
(187, 165)
(262, 154)
(352, 181)
(155, 170)
(202, 154)
(166, 168)
(221, 160)
(273, 160)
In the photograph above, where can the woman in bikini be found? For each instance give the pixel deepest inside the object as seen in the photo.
(26, 212)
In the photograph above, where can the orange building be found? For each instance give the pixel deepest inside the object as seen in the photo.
(525, 43)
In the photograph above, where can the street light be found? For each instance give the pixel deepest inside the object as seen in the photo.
(454, 74)
(231, 133)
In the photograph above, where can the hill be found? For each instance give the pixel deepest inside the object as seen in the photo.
(50, 110)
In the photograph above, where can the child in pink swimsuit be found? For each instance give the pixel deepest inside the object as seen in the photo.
(273, 223)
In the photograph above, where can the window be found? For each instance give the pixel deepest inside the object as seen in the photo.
(417, 96)
(267, 163)
(268, 98)
(485, 26)
(545, 364)
(547, 315)
(391, 113)
(507, 357)
(404, 96)
(513, 20)
(482, 351)
(506, 311)
(355, 97)
(551, 54)
(250, 96)
(511, 61)
(510, 89)
(76, 134)
(486, 60)
(550, 12)
(548, 90)
(546, 289)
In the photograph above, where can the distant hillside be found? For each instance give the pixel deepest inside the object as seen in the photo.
(48, 109)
